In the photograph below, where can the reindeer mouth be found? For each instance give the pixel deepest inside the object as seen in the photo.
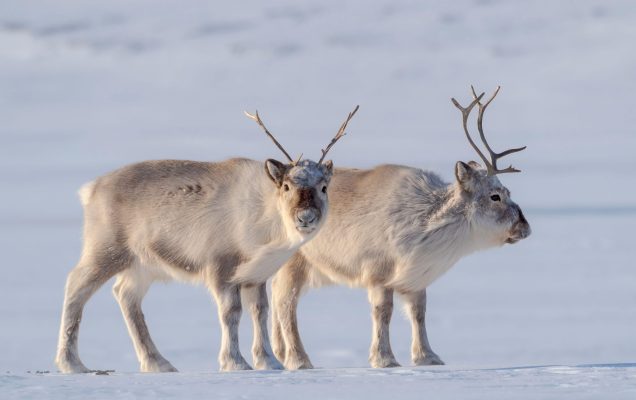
(305, 229)
(517, 237)
(519, 233)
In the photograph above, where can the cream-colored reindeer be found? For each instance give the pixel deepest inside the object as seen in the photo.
(397, 229)
(229, 225)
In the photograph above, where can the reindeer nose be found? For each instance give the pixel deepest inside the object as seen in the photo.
(522, 218)
(306, 216)
(522, 225)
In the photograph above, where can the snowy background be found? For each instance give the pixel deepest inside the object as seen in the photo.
(86, 87)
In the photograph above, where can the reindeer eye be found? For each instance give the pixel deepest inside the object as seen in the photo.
(495, 197)
(286, 187)
(324, 189)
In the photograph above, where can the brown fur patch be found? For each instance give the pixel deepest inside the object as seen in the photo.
(112, 258)
(307, 198)
(173, 257)
(226, 264)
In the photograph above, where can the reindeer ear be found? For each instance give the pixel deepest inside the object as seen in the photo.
(275, 170)
(327, 167)
(465, 174)
(475, 164)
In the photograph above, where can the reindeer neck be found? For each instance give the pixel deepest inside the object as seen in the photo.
(425, 213)
(455, 218)
(434, 208)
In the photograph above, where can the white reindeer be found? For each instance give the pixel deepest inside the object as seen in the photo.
(397, 229)
(229, 225)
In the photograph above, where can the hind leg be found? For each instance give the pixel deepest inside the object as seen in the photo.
(83, 281)
(129, 290)
(255, 297)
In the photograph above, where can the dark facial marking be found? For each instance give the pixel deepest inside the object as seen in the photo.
(307, 198)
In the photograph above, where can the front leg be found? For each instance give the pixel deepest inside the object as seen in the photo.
(286, 289)
(421, 352)
(255, 298)
(228, 298)
(380, 354)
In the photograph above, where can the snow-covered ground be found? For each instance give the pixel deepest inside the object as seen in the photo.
(86, 87)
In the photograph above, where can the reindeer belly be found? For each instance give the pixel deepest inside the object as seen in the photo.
(168, 260)
(417, 276)
(362, 269)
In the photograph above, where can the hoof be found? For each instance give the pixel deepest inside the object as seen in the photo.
(235, 365)
(384, 362)
(297, 363)
(158, 367)
(432, 359)
(267, 363)
(156, 364)
(387, 364)
(67, 366)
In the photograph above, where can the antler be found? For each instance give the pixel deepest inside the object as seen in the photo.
(492, 164)
(258, 120)
(341, 133)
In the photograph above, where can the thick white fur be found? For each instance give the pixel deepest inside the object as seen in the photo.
(220, 224)
(393, 228)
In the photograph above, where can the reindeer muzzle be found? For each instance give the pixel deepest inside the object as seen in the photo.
(307, 220)
(520, 229)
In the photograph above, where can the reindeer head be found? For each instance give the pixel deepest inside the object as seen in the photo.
(302, 185)
(494, 214)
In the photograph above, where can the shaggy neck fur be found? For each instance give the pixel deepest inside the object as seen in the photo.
(434, 229)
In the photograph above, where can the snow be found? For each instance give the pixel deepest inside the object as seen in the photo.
(545, 382)
(90, 86)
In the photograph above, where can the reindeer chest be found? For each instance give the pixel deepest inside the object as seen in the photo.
(419, 272)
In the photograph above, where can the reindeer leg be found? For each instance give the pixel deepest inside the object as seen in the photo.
(97, 265)
(380, 354)
(421, 352)
(255, 297)
(286, 288)
(228, 299)
(129, 290)
(278, 341)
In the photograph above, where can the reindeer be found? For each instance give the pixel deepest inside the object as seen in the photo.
(229, 225)
(397, 229)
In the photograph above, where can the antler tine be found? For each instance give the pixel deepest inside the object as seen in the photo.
(298, 159)
(341, 133)
(493, 155)
(465, 113)
(258, 120)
